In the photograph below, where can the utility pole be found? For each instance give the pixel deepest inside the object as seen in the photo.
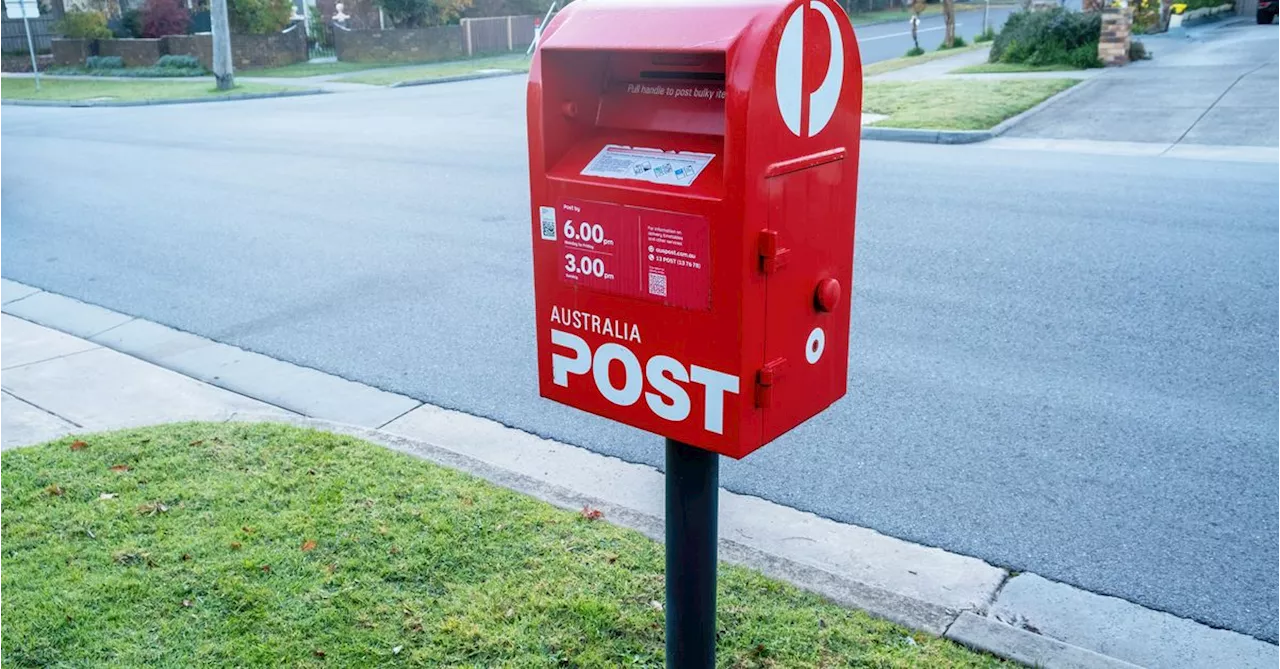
(222, 70)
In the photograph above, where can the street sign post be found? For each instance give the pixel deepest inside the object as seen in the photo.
(26, 9)
(693, 177)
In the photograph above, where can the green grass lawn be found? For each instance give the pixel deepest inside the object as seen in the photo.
(220, 545)
(72, 89)
(313, 69)
(900, 63)
(985, 68)
(961, 104)
(451, 68)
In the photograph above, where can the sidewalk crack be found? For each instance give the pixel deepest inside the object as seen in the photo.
(55, 414)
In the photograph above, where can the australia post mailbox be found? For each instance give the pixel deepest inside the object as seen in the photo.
(693, 175)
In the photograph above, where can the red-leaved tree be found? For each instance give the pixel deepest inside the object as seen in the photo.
(164, 17)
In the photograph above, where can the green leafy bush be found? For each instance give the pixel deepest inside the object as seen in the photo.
(956, 43)
(172, 62)
(103, 63)
(258, 17)
(985, 36)
(128, 25)
(914, 51)
(1050, 37)
(422, 13)
(83, 24)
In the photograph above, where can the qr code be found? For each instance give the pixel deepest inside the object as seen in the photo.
(547, 216)
(658, 284)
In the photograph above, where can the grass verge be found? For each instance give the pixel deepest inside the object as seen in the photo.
(70, 89)
(313, 69)
(900, 63)
(386, 77)
(963, 104)
(217, 545)
(992, 68)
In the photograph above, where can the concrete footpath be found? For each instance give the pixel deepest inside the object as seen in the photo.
(71, 367)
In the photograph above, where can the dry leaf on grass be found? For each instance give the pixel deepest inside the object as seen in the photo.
(78, 445)
(308, 545)
(119, 468)
(591, 514)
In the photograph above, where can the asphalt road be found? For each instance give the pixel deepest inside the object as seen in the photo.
(1060, 363)
(883, 41)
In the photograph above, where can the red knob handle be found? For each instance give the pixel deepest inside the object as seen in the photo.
(827, 295)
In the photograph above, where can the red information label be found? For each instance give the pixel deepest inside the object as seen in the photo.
(655, 255)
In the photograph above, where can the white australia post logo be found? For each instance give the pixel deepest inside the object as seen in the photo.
(789, 73)
(661, 380)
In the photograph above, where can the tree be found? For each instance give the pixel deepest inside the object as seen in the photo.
(423, 13)
(164, 17)
(949, 15)
(258, 17)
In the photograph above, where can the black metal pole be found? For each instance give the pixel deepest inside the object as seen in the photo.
(693, 486)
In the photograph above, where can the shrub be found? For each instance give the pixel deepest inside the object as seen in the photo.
(420, 13)
(1050, 37)
(164, 17)
(1138, 51)
(104, 63)
(83, 24)
(914, 51)
(258, 17)
(128, 25)
(956, 43)
(985, 36)
(176, 62)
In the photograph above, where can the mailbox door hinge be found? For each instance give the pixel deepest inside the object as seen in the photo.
(772, 256)
(765, 380)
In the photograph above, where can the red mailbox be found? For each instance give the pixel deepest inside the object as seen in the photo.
(693, 174)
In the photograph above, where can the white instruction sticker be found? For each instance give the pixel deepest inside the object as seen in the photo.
(547, 217)
(674, 168)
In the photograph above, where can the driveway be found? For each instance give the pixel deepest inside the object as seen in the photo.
(1216, 86)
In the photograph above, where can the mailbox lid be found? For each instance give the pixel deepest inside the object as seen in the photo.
(657, 25)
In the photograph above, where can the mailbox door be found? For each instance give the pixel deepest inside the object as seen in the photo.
(806, 350)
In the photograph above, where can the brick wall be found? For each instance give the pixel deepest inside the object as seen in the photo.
(72, 52)
(419, 45)
(247, 51)
(200, 46)
(134, 52)
(1113, 45)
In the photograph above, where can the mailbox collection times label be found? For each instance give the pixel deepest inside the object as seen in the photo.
(661, 256)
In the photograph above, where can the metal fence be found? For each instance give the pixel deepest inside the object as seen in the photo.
(15, 36)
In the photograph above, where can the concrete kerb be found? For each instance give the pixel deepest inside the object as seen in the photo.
(931, 136)
(1023, 617)
(234, 97)
(456, 78)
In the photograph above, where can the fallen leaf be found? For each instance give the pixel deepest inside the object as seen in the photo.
(308, 545)
(119, 468)
(235, 545)
(591, 514)
(396, 650)
(152, 508)
(331, 567)
(186, 603)
(318, 653)
(395, 550)
(312, 472)
(107, 495)
(266, 568)
(55, 490)
(197, 442)
(78, 445)
(186, 557)
(247, 530)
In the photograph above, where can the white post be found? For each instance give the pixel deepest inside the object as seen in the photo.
(223, 71)
(511, 45)
(466, 24)
(31, 46)
(985, 9)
